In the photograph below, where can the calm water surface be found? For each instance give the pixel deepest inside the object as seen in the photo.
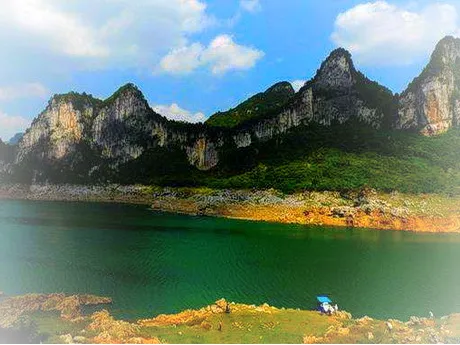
(152, 263)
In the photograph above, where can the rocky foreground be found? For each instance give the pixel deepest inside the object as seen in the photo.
(57, 318)
(364, 208)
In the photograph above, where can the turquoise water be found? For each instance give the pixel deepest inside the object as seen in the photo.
(152, 263)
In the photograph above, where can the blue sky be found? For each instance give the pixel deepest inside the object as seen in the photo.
(192, 58)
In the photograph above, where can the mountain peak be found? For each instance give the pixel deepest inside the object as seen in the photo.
(430, 102)
(255, 107)
(282, 86)
(80, 101)
(447, 51)
(448, 40)
(337, 71)
(127, 91)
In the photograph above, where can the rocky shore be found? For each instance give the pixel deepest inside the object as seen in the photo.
(44, 318)
(365, 208)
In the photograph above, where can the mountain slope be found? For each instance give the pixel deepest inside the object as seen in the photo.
(15, 139)
(339, 122)
(7, 153)
(267, 102)
(431, 103)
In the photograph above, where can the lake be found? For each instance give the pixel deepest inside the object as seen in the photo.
(152, 263)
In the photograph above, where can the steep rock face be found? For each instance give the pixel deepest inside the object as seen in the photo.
(334, 95)
(203, 154)
(118, 129)
(431, 103)
(337, 72)
(120, 125)
(124, 127)
(56, 130)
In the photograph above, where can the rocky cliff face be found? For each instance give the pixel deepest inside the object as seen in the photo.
(58, 129)
(118, 129)
(124, 128)
(119, 126)
(334, 95)
(431, 103)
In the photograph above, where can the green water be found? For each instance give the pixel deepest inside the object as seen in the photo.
(152, 263)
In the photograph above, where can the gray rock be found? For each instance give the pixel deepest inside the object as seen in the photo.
(431, 104)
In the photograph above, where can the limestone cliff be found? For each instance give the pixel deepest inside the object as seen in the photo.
(59, 128)
(77, 132)
(124, 127)
(118, 129)
(338, 93)
(431, 103)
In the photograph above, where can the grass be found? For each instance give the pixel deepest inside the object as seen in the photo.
(250, 324)
(286, 326)
(50, 326)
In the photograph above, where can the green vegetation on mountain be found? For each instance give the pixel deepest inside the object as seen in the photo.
(340, 158)
(270, 101)
(79, 100)
(341, 131)
(378, 97)
(334, 159)
(129, 87)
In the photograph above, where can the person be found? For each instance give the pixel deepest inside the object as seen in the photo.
(323, 308)
(431, 315)
(227, 308)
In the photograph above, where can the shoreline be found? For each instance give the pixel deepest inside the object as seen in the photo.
(59, 319)
(363, 209)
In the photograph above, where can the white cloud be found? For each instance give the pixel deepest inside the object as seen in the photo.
(99, 33)
(220, 56)
(297, 84)
(183, 60)
(223, 54)
(26, 90)
(174, 112)
(10, 125)
(63, 32)
(382, 33)
(250, 5)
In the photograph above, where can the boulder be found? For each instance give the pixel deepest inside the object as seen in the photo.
(66, 339)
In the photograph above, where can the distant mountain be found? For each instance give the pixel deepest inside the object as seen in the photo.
(275, 138)
(7, 154)
(261, 105)
(15, 139)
